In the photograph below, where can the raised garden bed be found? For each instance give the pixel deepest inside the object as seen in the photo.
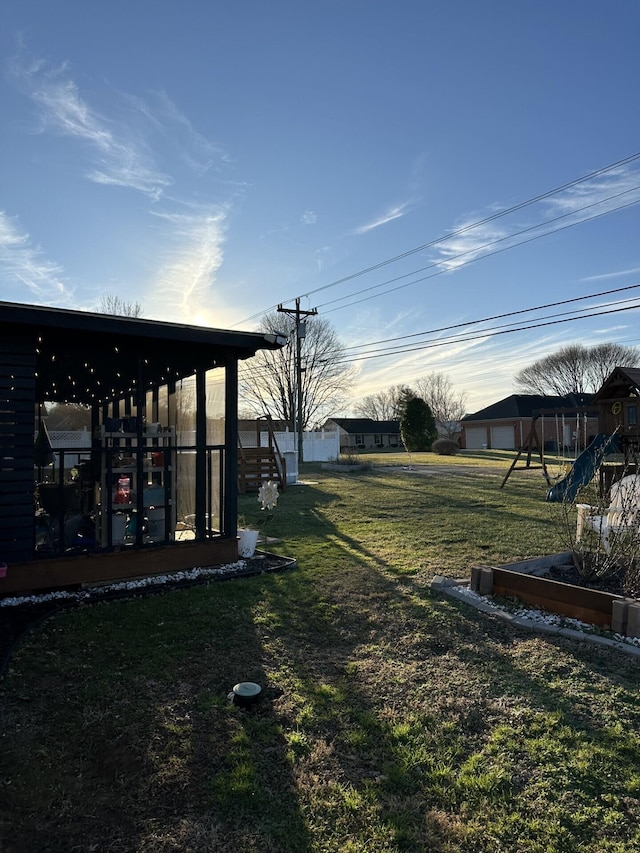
(529, 581)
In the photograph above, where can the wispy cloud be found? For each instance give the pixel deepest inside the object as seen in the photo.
(393, 213)
(123, 146)
(472, 243)
(23, 265)
(309, 218)
(120, 159)
(184, 284)
(607, 191)
(199, 154)
(608, 275)
(473, 238)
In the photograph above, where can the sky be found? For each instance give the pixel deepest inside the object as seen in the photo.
(412, 169)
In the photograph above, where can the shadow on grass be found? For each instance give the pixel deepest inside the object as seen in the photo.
(152, 756)
(414, 728)
(390, 720)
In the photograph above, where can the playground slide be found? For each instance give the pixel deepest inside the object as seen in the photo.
(584, 468)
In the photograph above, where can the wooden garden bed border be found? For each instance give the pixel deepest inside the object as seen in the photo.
(604, 609)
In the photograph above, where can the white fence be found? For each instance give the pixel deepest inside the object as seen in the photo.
(63, 439)
(316, 446)
(320, 446)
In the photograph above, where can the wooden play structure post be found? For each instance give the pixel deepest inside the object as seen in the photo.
(531, 443)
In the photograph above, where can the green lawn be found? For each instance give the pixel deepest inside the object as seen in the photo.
(392, 719)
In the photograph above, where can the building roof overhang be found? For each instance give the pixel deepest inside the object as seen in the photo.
(95, 358)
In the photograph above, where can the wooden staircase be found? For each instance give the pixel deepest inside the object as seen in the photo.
(258, 464)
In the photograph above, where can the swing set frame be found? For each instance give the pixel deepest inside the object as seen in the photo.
(533, 444)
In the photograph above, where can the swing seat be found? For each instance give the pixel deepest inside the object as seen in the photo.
(621, 516)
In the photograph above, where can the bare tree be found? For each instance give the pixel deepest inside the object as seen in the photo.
(268, 380)
(110, 304)
(447, 406)
(604, 358)
(385, 405)
(575, 369)
(68, 416)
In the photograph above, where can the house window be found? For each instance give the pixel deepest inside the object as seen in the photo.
(632, 415)
(378, 440)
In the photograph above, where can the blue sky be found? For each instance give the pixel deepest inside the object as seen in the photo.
(211, 160)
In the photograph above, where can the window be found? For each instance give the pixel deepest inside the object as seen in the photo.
(378, 440)
(359, 439)
(632, 415)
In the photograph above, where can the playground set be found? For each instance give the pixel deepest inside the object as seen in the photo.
(617, 404)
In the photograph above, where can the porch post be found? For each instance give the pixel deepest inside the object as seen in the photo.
(201, 454)
(230, 507)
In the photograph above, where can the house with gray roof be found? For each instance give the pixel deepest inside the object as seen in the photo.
(562, 421)
(366, 434)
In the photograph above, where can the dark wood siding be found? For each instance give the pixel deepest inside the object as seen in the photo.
(17, 413)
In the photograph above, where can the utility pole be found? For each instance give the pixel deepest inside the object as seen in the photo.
(301, 331)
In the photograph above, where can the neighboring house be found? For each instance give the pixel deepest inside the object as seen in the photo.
(561, 422)
(365, 433)
(251, 426)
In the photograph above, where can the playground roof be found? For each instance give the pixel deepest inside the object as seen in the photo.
(622, 382)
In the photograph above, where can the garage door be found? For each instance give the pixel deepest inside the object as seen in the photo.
(503, 438)
(475, 438)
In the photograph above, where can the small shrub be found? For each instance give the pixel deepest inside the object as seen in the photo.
(445, 447)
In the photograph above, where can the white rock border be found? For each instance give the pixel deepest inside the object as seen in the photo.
(97, 592)
(535, 620)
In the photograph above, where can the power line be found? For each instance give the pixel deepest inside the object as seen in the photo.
(260, 372)
(514, 208)
(438, 265)
(531, 324)
(497, 317)
(485, 334)
(484, 221)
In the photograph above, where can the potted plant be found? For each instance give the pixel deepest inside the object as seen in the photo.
(247, 541)
(247, 536)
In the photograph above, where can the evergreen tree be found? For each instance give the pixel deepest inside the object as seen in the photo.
(417, 425)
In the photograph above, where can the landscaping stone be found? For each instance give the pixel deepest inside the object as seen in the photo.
(486, 581)
(633, 620)
(619, 615)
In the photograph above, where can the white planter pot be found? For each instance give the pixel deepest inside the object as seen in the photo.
(247, 541)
